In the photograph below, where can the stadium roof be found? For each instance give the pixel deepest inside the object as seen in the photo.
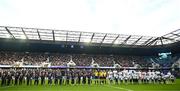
(86, 37)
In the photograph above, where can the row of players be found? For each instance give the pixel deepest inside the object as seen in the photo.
(75, 76)
(140, 76)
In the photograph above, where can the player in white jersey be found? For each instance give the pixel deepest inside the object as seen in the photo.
(157, 73)
(120, 74)
(172, 78)
(169, 73)
(110, 76)
(153, 76)
(135, 77)
(130, 75)
(168, 77)
(148, 76)
(125, 75)
(159, 78)
(115, 74)
(139, 73)
(164, 77)
(143, 77)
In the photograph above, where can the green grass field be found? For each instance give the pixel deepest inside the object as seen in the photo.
(121, 87)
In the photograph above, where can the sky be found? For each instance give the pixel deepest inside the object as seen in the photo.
(132, 17)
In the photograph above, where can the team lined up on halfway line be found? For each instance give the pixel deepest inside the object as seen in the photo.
(85, 76)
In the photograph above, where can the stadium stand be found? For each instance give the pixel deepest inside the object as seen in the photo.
(57, 59)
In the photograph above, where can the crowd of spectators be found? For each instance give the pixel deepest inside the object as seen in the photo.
(57, 59)
(7, 58)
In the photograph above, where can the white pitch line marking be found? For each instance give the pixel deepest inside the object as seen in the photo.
(119, 88)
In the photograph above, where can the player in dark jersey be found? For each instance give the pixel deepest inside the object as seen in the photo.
(50, 78)
(78, 75)
(67, 77)
(9, 78)
(24, 74)
(3, 82)
(36, 79)
(60, 78)
(31, 77)
(12, 75)
(72, 77)
(84, 78)
(28, 77)
(20, 79)
(63, 74)
(42, 78)
(89, 77)
(56, 77)
(16, 78)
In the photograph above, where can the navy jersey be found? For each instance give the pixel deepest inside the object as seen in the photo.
(36, 77)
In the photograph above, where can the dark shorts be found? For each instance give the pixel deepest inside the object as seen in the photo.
(101, 77)
(96, 77)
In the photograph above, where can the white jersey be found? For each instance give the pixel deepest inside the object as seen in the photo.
(153, 75)
(156, 76)
(120, 74)
(135, 75)
(148, 75)
(130, 75)
(143, 75)
(169, 73)
(110, 74)
(125, 73)
(157, 73)
(139, 74)
(162, 74)
(172, 77)
(115, 74)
